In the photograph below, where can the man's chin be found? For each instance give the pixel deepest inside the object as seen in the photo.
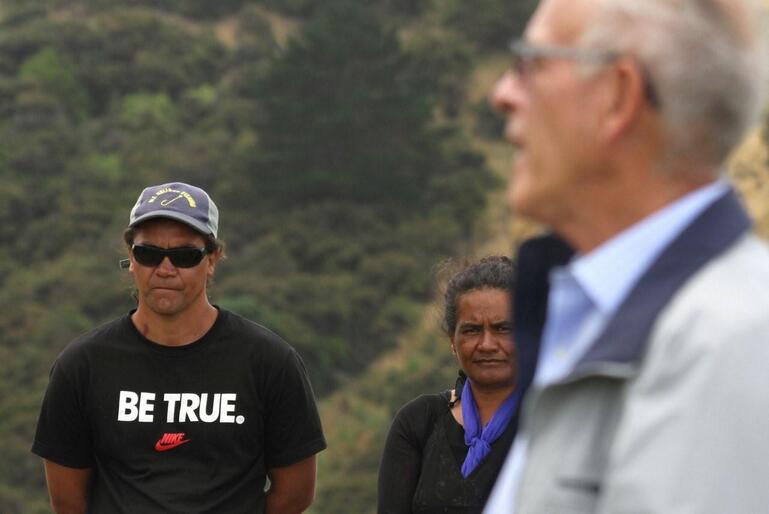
(163, 307)
(519, 200)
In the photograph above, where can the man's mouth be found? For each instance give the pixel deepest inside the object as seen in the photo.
(489, 361)
(164, 288)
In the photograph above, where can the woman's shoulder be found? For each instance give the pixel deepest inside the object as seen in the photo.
(422, 411)
(427, 402)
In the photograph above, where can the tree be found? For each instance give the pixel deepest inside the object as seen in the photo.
(345, 116)
(490, 24)
(52, 73)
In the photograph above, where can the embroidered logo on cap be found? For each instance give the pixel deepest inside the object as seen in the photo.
(175, 195)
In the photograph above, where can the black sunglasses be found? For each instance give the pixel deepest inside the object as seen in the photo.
(151, 256)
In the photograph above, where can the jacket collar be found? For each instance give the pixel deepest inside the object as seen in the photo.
(623, 341)
(536, 257)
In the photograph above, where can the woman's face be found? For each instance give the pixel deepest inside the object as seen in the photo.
(482, 339)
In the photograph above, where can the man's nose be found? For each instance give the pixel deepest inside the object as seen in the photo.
(166, 267)
(503, 95)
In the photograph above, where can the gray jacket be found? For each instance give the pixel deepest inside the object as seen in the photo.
(668, 412)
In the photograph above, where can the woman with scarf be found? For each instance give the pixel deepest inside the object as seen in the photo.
(444, 451)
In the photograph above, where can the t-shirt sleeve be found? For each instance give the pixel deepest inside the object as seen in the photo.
(401, 461)
(293, 430)
(63, 433)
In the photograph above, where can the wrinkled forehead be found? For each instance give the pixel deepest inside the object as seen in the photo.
(561, 22)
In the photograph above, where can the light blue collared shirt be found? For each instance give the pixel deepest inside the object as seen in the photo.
(599, 282)
(607, 275)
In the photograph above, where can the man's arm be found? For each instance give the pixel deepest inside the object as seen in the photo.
(292, 488)
(67, 487)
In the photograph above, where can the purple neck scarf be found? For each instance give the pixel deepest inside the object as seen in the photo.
(478, 438)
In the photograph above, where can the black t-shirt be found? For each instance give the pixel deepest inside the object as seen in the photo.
(420, 471)
(179, 429)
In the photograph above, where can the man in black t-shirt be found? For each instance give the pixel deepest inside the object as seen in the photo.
(179, 406)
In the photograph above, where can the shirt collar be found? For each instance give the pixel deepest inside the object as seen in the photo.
(608, 273)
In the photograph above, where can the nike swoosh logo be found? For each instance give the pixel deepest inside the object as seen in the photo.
(162, 447)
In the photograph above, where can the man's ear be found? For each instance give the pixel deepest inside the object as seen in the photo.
(626, 97)
(213, 259)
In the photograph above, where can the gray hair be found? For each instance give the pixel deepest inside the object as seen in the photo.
(706, 59)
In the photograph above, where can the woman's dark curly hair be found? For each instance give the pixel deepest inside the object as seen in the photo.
(493, 272)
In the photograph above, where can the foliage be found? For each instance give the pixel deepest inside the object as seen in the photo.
(203, 9)
(490, 24)
(55, 75)
(445, 60)
(364, 137)
(489, 124)
(301, 8)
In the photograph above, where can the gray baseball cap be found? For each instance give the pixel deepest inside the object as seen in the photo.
(177, 201)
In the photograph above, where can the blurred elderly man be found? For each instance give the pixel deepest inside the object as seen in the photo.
(651, 299)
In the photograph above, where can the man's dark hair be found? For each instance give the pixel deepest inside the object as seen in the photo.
(494, 272)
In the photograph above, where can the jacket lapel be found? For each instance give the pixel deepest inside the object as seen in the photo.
(536, 257)
(625, 337)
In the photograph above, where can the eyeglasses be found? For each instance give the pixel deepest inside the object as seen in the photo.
(525, 57)
(151, 256)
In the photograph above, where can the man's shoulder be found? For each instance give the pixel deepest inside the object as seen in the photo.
(737, 277)
(726, 301)
(747, 256)
(94, 338)
(249, 333)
